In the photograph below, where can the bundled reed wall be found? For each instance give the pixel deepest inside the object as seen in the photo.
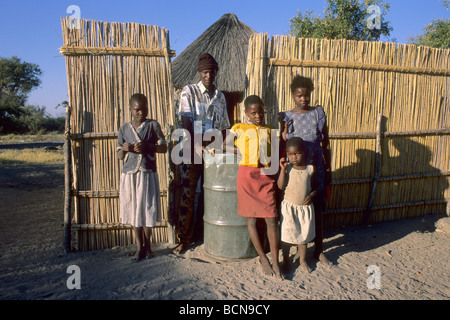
(388, 115)
(107, 63)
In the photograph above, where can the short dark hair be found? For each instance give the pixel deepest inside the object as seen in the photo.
(139, 98)
(253, 99)
(301, 82)
(296, 142)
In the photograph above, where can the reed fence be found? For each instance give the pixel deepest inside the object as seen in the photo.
(106, 63)
(388, 114)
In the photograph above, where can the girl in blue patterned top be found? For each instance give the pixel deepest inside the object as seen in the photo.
(139, 195)
(310, 124)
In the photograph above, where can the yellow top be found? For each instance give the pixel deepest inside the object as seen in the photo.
(253, 143)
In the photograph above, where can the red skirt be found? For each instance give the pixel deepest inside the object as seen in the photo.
(256, 194)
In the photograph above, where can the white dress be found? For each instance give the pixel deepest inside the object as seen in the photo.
(297, 219)
(140, 198)
(140, 201)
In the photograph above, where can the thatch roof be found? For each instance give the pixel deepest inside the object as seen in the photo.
(227, 41)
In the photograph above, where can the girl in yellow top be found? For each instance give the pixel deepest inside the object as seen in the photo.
(256, 191)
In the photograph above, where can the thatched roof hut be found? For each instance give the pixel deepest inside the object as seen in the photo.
(227, 41)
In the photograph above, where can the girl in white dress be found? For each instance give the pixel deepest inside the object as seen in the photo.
(296, 179)
(139, 197)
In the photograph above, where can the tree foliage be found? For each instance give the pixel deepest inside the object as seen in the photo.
(35, 120)
(436, 34)
(17, 79)
(344, 19)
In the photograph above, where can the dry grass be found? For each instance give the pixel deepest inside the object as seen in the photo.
(30, 156)
(14, 138)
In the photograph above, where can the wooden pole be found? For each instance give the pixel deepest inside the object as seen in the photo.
(377, 169)
(67, 181)
(171, 189)
(356, 66)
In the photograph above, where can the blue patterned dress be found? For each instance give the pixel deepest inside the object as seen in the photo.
(309, 127)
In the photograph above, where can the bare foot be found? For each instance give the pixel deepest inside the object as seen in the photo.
(267, 269)
(181, 248)
(305, 267)
(138, 256)
(150, 254)
(322, 258)
(276, 272)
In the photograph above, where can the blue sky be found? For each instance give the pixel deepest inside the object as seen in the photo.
(31, 30)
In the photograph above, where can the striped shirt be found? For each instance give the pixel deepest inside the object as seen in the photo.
(198, 105)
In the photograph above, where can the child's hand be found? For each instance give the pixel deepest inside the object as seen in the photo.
(128, 147)
(309, 198)
(283, 163)
(138, 147)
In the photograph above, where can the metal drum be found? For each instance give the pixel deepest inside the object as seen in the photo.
(225, 232)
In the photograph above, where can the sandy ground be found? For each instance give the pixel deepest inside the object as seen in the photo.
(411, 259)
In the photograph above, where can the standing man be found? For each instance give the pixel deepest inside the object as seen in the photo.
(200, 104)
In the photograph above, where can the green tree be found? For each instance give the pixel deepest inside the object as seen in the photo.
(32, 119)
(54, 124)
(344, 19)
(436, 34)
(35, 119)
(17, 79)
